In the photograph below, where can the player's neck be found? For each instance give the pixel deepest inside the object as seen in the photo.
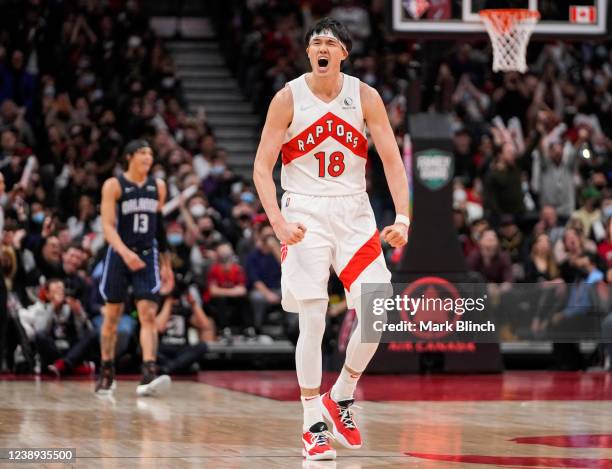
(134, 176)
(325, 88)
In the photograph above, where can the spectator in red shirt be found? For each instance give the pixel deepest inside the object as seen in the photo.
(227, 293)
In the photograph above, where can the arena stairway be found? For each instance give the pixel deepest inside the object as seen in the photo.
(209, 85)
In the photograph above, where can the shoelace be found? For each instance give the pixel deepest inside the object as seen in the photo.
(346, 417)
(322, 438)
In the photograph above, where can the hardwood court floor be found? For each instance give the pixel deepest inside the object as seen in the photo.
(204, 425)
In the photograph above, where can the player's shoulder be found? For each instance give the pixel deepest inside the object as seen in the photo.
(371, 100)
(111, 187)
(367, 93)
(281, 106)
(284, 96)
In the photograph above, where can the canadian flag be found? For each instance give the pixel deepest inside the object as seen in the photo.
(583, 14)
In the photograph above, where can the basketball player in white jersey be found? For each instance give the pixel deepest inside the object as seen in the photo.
(318, 123)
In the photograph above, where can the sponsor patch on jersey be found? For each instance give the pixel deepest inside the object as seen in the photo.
(151, 188)
(348, 103)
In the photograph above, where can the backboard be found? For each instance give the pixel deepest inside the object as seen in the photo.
(559, 18)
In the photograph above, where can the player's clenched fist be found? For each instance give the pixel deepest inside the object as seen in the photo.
(396, 235)
(289, 233)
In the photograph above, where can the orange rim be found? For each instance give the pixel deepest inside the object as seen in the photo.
(502, 19)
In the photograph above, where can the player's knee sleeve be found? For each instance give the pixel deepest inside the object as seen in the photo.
(312, 318)
(308, 360)
(359, 352)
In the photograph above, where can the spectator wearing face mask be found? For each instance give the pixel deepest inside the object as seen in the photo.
(218, 184)
(227, 294)
(599, 227)
(264, 273)
(180, 252)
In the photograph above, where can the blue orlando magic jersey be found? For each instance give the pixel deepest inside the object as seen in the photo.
(137, 213)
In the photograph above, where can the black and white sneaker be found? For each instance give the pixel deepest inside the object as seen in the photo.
(152, 384)
(106, 383)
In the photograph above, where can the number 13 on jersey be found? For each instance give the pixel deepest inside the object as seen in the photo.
(335, 167)
(141, 223)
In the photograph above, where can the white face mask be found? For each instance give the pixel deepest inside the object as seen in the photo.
(459, 196)
(198, 210)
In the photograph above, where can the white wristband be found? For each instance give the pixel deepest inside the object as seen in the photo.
(399, 218)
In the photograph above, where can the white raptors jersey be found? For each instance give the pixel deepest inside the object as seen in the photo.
(325, 149)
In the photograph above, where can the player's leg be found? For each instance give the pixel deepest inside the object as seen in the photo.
(146, 284)
(151, 384)
(358, 260)
(305, 273)
(308, 364)
(108, 340)
(113, 289)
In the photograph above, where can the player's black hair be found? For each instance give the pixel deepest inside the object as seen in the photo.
(135, 145)
(330, 24)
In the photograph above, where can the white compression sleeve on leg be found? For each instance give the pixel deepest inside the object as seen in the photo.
(308, 360)
(359, 354)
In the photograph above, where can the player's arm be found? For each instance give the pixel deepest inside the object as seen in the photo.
(111, 191)
(376, 118)
(280, 114)
(165, 264)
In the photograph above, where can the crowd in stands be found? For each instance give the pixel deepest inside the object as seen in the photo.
(532, 192)
(533, 176)
(78, 80)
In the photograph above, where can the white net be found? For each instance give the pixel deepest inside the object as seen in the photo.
(510, 31)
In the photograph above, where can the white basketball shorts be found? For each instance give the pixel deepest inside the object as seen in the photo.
(340, 233)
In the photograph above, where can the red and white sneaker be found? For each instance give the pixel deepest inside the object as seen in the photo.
(315, 443)
(340, 415)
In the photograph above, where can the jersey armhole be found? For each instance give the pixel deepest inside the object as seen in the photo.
(359, 100)
(292, 87)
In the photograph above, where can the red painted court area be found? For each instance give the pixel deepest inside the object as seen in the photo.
(508, 386)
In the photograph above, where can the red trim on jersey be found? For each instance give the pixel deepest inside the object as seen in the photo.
(328, 127)
(364, 256)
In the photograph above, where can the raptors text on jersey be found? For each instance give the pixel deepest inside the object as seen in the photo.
(325, 150)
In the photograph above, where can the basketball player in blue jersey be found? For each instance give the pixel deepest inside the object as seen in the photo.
(133, 228)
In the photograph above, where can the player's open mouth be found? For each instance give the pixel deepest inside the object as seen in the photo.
(322, 62)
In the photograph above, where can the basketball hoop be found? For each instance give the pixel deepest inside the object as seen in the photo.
(510, 30)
